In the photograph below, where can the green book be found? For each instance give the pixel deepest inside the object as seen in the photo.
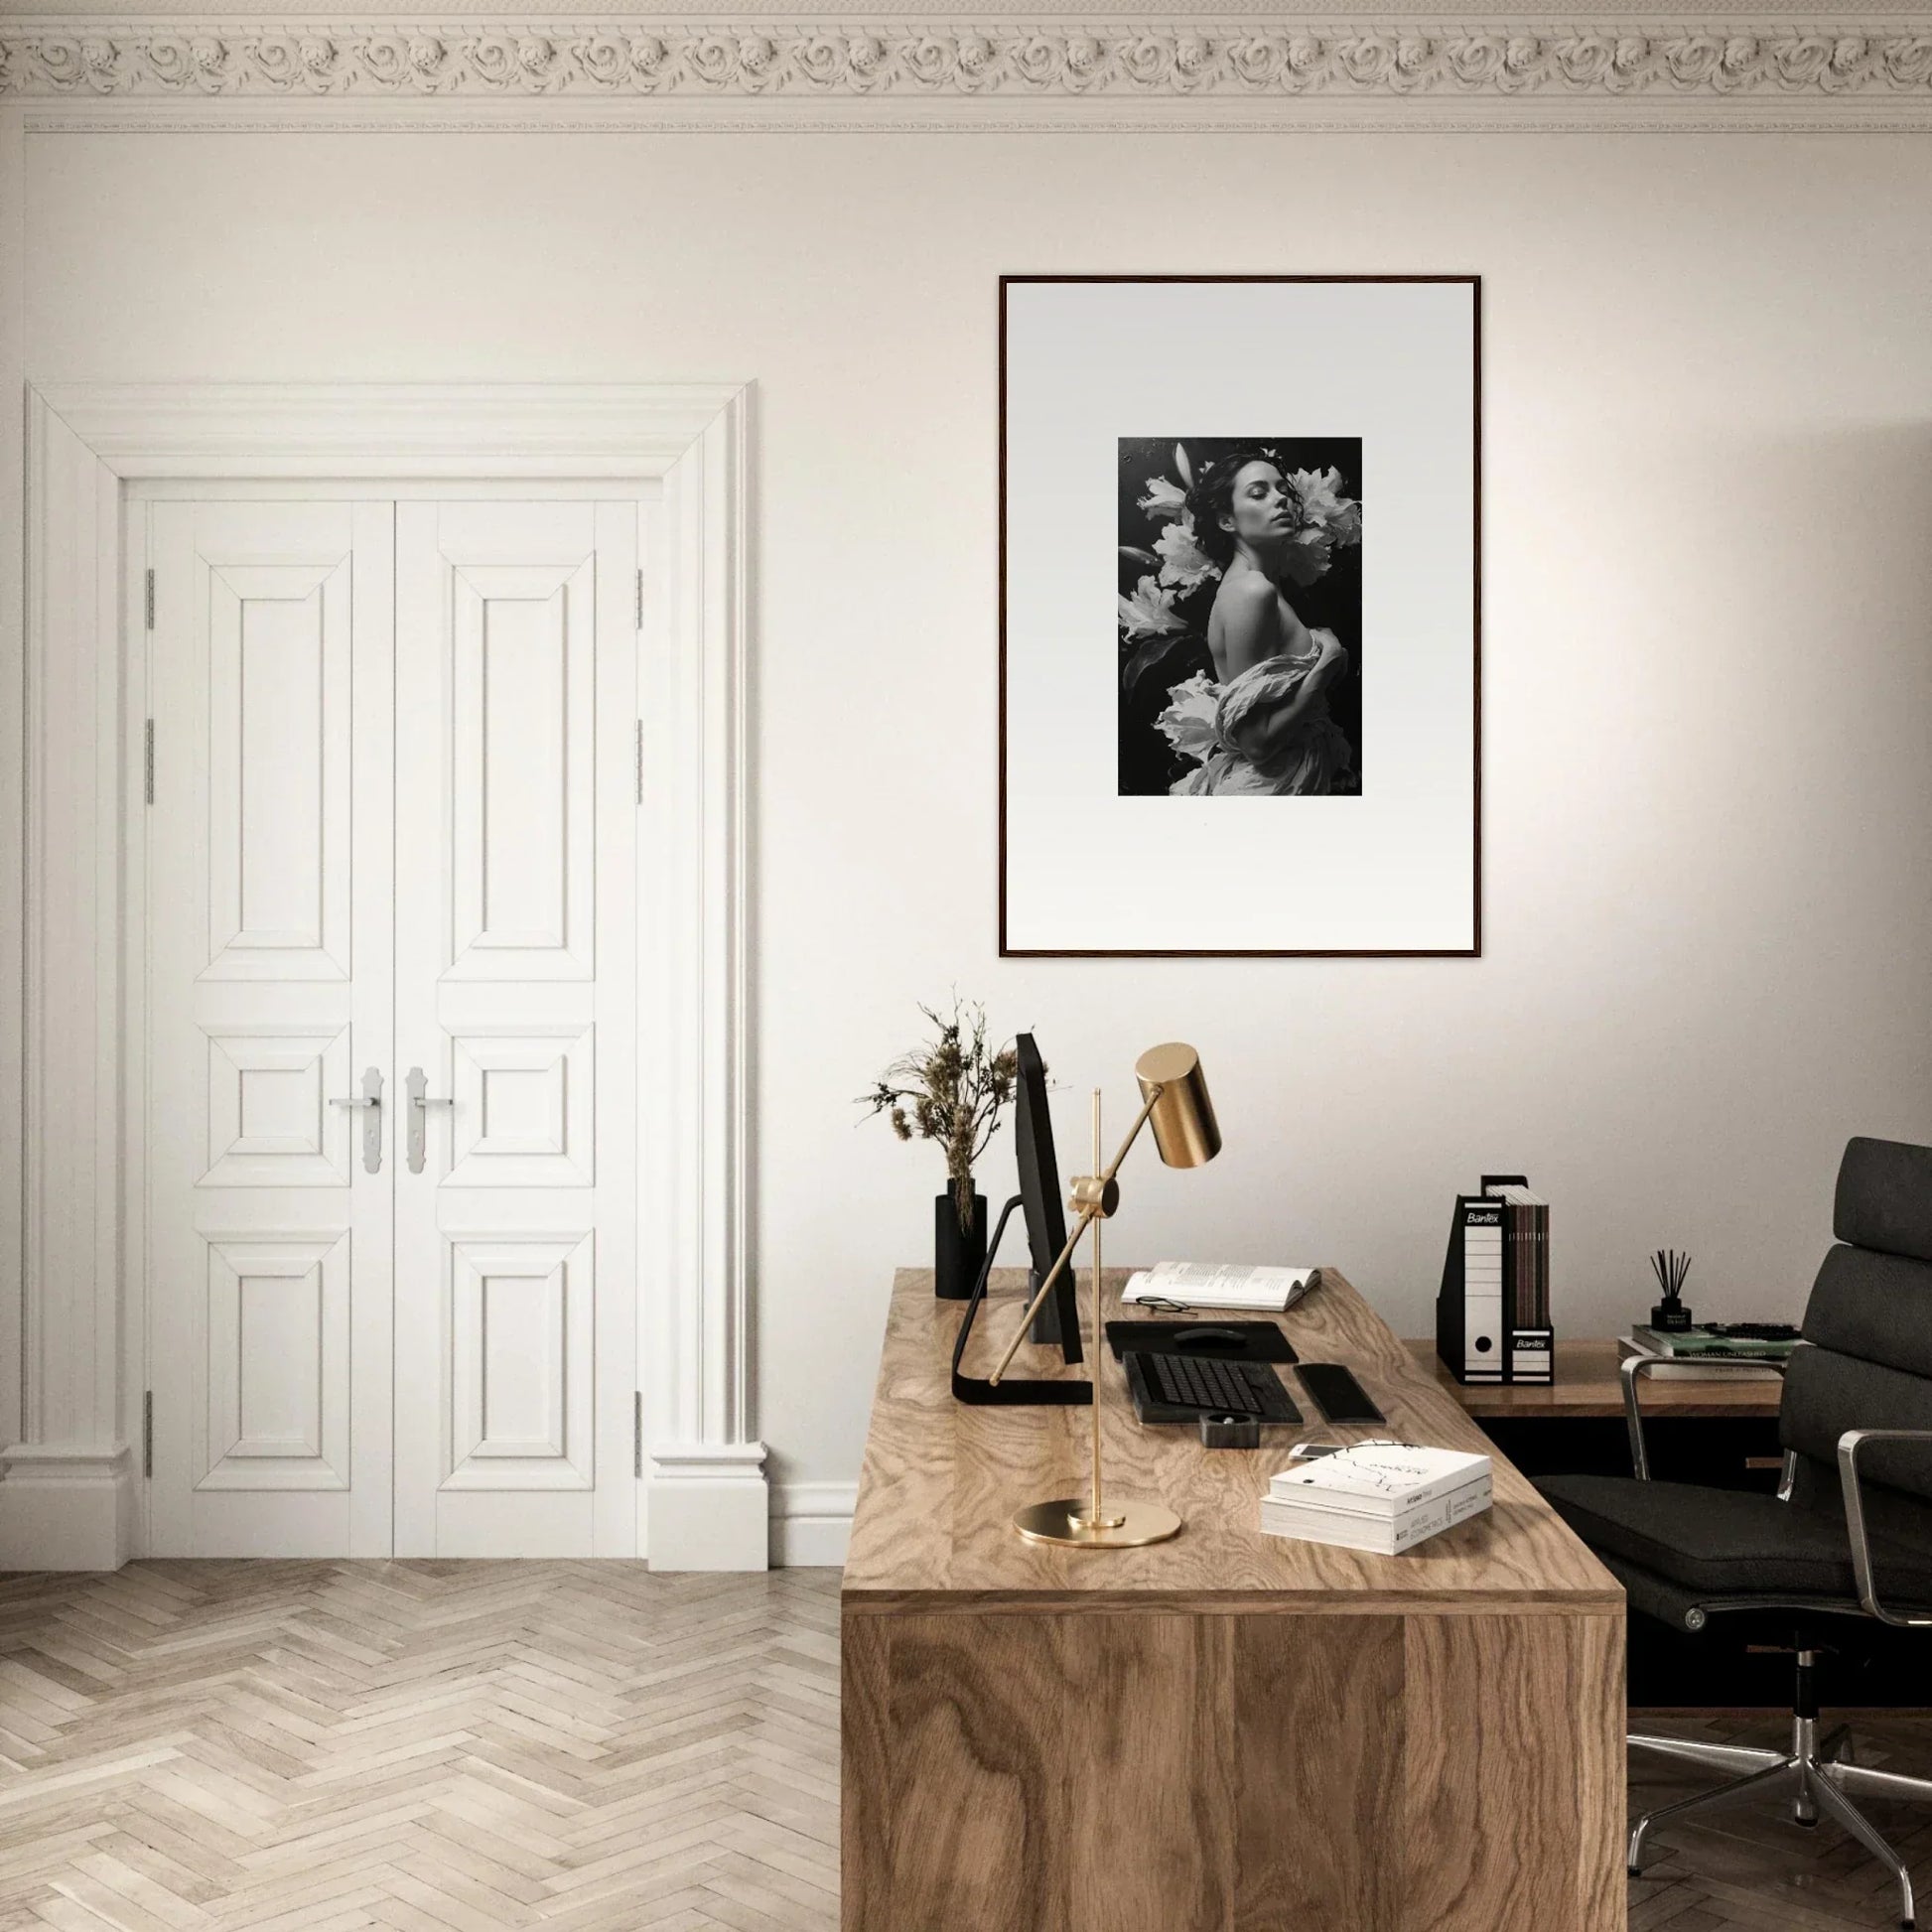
(1700, 1341)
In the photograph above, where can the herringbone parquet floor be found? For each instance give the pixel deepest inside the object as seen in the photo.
(431, 1746)
(459, 1747)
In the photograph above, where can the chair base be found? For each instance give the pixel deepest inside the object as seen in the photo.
(1817, 1775)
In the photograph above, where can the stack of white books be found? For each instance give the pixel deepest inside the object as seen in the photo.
(1212, 1285)
(1384, 1497)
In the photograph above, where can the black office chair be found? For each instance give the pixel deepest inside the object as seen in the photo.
(1849, 1536)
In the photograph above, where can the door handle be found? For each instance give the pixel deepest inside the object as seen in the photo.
(369, 1098)
(420, 1102)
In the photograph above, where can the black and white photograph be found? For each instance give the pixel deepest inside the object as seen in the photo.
(1240, 608)
(1266, 742)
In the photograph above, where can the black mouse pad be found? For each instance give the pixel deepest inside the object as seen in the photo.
(1216, 1341)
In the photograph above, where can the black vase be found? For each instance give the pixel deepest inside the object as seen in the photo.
(958, 1254)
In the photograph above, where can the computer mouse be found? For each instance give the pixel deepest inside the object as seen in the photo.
(1209, 1338)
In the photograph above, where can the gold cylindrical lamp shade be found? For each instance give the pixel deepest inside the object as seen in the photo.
(1184, 1128)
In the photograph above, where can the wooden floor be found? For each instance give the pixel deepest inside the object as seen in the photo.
(448, 1748)
(311, 1746)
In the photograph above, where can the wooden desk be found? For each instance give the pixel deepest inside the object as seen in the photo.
(1226, 1733)
(1587, 1385)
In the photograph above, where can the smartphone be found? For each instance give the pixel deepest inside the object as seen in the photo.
(1336, 1393)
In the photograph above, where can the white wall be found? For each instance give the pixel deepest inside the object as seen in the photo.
(1708, 824)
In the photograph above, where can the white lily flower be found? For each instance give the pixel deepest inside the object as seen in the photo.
(1191, 720)
(1183, 561)
(1163, 499)
(1308, 554)
(1324, 507)
(1149, 612)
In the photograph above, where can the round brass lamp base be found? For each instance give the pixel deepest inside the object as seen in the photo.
(1128, 1525)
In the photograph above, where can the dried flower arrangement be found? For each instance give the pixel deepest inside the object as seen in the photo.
(951, 1091)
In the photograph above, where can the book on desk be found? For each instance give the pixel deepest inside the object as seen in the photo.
(1385, 1497)
(1740, 1352)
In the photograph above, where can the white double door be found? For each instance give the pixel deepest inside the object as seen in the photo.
(390, 857)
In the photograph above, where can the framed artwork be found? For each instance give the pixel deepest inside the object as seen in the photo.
(1240, 615)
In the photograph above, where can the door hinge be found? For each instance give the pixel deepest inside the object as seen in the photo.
(640, 598)
(641, 760)
(147, 759)
(147, 1434)
(150, 596)
(638, 1433)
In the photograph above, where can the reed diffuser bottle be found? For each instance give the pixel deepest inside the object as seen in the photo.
(1670, 1315)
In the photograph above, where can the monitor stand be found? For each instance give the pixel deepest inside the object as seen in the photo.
(1011, 1391)
(1046, 1323)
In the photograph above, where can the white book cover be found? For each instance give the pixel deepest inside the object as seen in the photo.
(1317, 1504)
(1383, 1477)
(1214, 1284)
(1387, 1536)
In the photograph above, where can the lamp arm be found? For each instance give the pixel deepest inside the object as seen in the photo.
(1088, 1215)
(1132, 1133)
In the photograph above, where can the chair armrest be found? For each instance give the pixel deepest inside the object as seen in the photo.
(1634, 1367)
(1849, 1445)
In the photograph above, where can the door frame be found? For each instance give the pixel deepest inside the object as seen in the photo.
(71, 1474)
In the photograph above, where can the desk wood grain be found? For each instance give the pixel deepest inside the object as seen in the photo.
(941, 1479)
(1227, 1733)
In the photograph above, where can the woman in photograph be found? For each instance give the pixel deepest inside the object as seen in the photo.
(1261, 724)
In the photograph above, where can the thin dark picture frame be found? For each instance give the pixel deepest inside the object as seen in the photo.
(1474, 950)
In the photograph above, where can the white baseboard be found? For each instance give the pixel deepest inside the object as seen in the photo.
(73, 1509)
(709, 1507)
(65, 1507)
(812, 1523)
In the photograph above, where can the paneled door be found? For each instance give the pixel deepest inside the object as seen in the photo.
(391, 860)
(515, 1243)
(270, 1006)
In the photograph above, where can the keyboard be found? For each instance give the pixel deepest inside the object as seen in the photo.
(1179, 1388)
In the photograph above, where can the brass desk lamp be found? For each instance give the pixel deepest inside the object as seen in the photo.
(1174, 1100)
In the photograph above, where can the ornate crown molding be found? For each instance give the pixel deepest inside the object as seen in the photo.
(1238, 71)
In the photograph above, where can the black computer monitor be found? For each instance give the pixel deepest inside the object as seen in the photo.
(1039, 1195)
(1038, 1198)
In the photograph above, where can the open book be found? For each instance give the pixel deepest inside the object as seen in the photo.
(1208, 1285)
